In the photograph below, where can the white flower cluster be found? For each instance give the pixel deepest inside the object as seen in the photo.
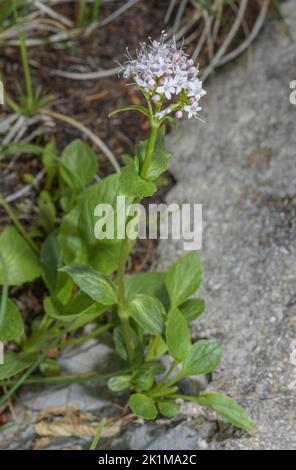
(165, 74)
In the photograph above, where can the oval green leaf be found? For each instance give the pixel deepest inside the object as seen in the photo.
(148, 312)
(142, 406)
(227, 408)
(204, 356)
(93, 283)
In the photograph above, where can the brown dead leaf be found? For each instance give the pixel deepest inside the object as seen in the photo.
(71, 426)
(42, 442)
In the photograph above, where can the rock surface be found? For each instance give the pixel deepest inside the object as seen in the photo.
(241, 166)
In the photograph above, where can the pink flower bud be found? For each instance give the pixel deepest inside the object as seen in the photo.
(179, 115)
(152, 83)
(155, 98)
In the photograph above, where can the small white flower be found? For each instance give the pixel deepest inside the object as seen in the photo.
(192, 109)
(167, 88)
(166, 74)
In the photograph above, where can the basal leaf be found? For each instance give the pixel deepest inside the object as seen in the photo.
(142, 406)
(168, 408)
(13, 325)
(227, 408)
(14, 364)
(77, 233)
(21, 262)
(80, 161)
(119, 383)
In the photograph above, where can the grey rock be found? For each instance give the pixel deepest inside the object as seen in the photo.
(240, 165)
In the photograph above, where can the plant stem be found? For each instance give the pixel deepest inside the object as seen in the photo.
(18, 225)
(123, 310)
(149, 151)
(25, 62)
(75, 341)
(81, 13)
(123, 307)
(69, 378)
(96, 9)
(97, 437)
(166, 375)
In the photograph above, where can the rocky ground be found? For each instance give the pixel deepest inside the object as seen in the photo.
(240, 165)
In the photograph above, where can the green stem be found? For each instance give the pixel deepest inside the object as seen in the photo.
(69, 378)
(149, 151)
(97, 437)
(81, 13)
(18, 225)
(123, 310)
(164, 378)
(123, 307)
(96, 9)
(25, 61)
(74, 342)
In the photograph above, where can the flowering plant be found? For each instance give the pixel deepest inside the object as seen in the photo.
(148, 314)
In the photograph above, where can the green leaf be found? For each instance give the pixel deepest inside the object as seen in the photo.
(47, 212)
(119, 383)
(192, 308)
(50, 162)
(184, 278)
(13, 325)
(50, 259)
(119, 343)
(79, 164)
(81, 307)
(131, 184)
(160, 157)
(49, 367)
(14, 149)
(144, 283)
(142, 406)
(77, 238)
(120, 346)
(143, 380)
(134, 107)
(177, 335)
(168, 408)
(21, 262)
(93, 283)
(157, 347)
(14, 364)
(148, 312)
(204, 356)
(59, 284)
(227, 408)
